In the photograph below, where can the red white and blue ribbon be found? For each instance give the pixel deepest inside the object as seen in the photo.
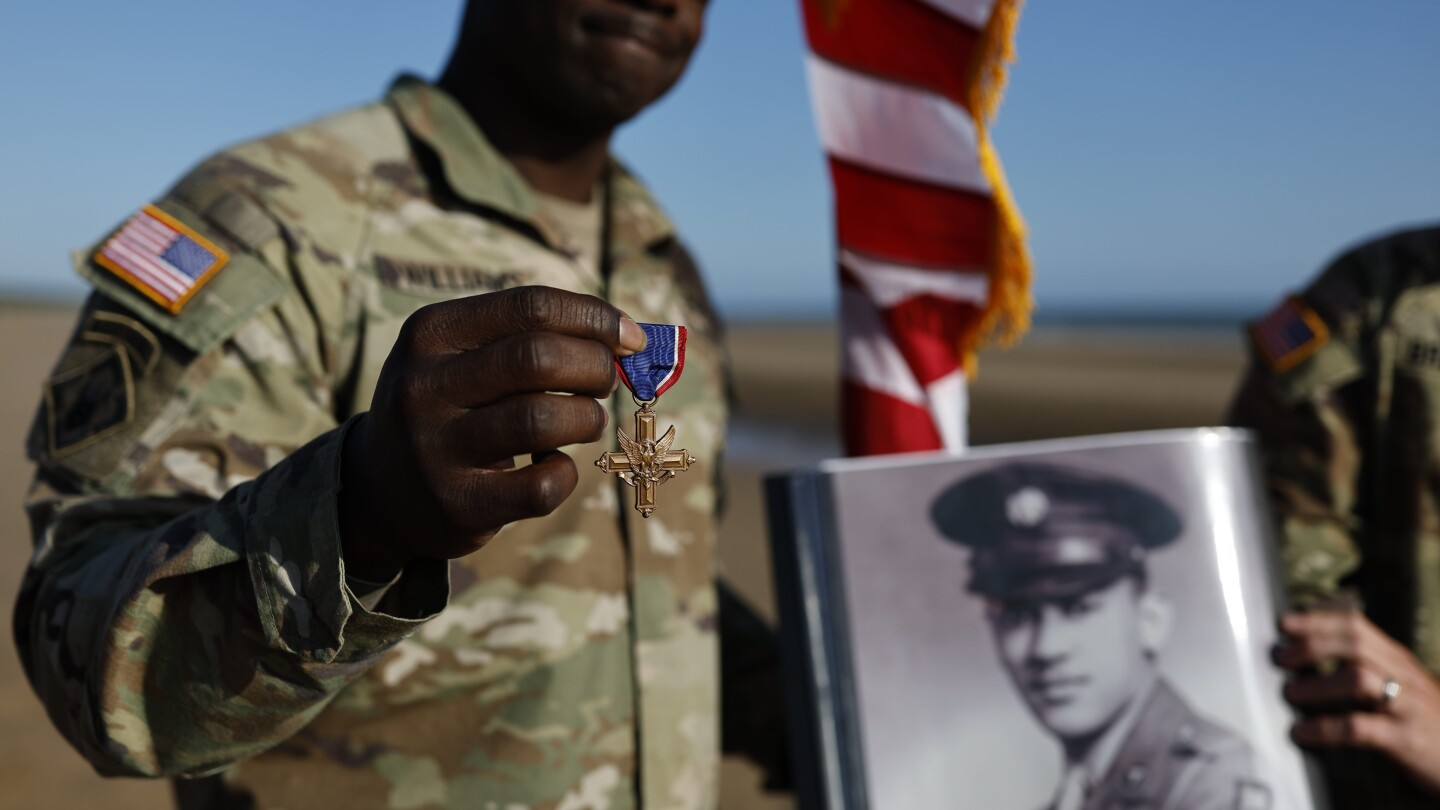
(651, 372)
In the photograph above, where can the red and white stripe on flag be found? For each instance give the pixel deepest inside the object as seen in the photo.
(930, 250)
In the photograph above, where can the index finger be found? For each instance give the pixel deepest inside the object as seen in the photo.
(468, 323)
(1320, 636)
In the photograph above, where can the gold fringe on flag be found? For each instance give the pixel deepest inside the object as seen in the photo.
(1007, 312)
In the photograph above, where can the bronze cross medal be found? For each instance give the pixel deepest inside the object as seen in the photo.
(645, 463)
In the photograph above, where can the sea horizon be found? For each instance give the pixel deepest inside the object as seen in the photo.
(1049, 315)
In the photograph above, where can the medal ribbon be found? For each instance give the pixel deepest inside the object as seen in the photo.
(650, 373)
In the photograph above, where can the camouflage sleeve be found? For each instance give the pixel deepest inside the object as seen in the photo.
(186, 605)
(1306, 418)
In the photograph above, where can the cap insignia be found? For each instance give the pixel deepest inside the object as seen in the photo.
(1028, 507)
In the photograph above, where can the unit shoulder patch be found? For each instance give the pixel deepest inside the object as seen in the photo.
(126, 333)
(162, 258)
(117, 379)
(1289, 334)
(90, 402)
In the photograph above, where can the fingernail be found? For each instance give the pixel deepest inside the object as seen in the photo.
(632, 337)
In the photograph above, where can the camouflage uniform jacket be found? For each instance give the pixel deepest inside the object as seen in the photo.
(1349, 430)
(186, 611)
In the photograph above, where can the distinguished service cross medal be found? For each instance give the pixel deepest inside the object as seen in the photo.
(645, 462)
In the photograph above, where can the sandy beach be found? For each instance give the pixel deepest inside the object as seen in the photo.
(1062, 381)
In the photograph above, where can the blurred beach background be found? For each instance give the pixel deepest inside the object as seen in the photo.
(1180, 167)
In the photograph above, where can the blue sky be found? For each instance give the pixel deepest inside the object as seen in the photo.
(1166, 155)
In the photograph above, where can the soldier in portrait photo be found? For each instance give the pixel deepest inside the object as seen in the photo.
(1059, 557)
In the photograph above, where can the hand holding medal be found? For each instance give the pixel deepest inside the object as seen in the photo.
(470, 385)
(645, 462)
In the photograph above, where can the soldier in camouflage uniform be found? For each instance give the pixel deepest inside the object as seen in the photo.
(1344, 393)
(242, 575)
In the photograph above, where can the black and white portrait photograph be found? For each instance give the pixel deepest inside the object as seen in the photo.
(1069, 625)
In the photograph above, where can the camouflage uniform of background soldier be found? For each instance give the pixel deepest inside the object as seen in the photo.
(188, 610)
(1344, 393)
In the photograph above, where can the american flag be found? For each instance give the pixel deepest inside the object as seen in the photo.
(931, 250)
(161, 257)
(1289, 334)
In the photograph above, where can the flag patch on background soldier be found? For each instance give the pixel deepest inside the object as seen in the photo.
(1289, 334)
(161, 257)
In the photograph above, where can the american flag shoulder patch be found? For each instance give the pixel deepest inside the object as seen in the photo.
(1289, 334)
(161, 257)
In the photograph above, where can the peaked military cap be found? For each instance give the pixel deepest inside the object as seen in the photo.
(1040, 531)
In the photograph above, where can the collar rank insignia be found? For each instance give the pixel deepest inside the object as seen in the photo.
(162, 258)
